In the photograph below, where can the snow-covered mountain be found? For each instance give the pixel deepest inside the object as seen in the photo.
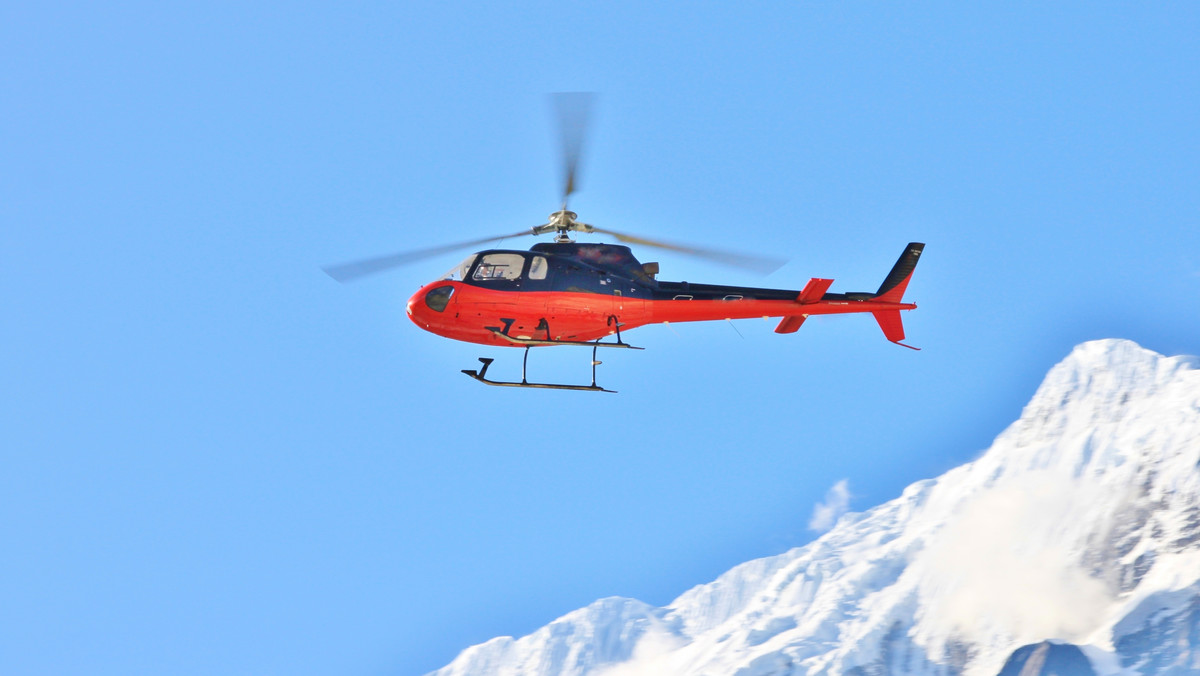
(1080, 526)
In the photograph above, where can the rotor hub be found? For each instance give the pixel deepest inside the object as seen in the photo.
(563, 218)
(563, 221)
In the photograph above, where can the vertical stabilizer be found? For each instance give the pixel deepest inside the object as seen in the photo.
(892, 289)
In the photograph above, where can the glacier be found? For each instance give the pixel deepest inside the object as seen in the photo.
(1077, 531)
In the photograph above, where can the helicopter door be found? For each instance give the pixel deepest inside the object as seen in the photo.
(516, 314)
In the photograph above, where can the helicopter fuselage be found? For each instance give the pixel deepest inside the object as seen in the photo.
(566, 292)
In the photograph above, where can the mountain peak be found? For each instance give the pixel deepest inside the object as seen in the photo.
(1109, 351)
(1114, 364)
(1099, 381)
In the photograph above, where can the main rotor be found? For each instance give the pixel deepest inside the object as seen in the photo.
(572, 112)
(562, 222)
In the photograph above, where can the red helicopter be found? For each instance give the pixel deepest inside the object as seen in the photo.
(578, 294)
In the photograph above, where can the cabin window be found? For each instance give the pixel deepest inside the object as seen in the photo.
(538, 268)
(499, 266)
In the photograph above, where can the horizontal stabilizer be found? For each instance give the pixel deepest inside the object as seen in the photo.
(790, 324)
(813, 291)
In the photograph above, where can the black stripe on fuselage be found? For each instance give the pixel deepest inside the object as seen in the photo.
(671, 290)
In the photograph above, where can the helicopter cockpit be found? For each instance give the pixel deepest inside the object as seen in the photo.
(491, 268)
(588, 268)
(497, 266)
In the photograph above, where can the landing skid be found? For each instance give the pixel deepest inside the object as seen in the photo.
(482, 373)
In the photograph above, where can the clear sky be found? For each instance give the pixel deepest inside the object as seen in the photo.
(218, 460)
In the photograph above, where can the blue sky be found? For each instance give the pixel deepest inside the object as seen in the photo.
(219, 460)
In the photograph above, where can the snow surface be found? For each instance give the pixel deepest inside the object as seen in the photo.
(1081, 524)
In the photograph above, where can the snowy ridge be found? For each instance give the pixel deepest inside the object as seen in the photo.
(604, 632)
(1081, 524)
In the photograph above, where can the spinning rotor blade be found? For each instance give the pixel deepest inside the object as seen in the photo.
(760, 264)
(572, 110)
(347, 272)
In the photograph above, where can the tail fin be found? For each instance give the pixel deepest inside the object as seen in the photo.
(892, 289)
(893, 328)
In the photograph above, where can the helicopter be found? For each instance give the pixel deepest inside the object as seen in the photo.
(568, 293)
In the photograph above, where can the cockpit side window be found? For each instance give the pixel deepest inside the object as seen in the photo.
(459, 272)
(498, 266)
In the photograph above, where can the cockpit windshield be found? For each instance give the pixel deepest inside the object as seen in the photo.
(459, 272)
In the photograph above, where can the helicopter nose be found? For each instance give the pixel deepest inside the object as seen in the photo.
(426, 305)
(412, 303)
